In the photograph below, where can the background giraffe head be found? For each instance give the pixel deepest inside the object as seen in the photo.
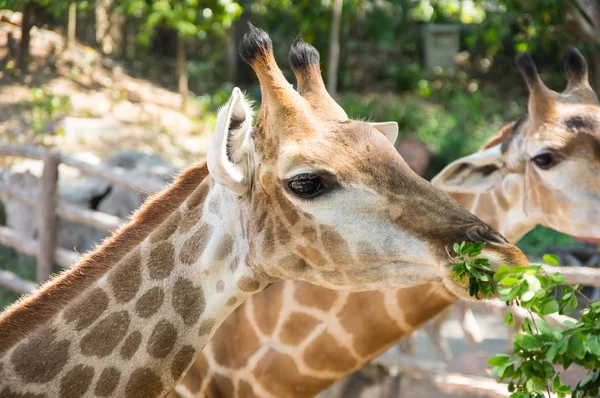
(551, 156)
(326, 199)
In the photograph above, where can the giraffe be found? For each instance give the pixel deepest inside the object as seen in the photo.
(290, 198)
(296, 339)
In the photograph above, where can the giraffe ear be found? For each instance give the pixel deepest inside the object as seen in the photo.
(389, 129)
(475, 173)
(231, 152)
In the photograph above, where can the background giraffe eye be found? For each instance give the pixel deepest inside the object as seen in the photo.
(544, 161)
(306, 185)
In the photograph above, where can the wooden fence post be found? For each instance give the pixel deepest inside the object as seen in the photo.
(47, 216)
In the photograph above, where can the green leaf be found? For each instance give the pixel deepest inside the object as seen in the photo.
(528, 295)
(570, 305)
(576, 346)
(509, 281)
(550, 307)
(499, 360)
(529, 342)
(593, 345)
(509, 319)
(551, 353)
(456, 248)
(551, 259)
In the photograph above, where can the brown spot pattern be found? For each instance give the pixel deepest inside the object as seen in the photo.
(131, 345)
(287, 208)
(224, 248)
(269, 298)
(374, 329)
(294, 263)
(167, 229)
(106, 335)
(314, 296)
(232, 300)
(268, 246)
(310, 234)
(188, 300)
(41, 358)
(246, 390)
(191, 219)
(220, 386)
(162, 260)
(194, 246)
(283, 234)
(235, 263)
(108, 382)
(214, 205)
(125, 279)
(88, 309)
(143, 383)
(198, 196)
(8, 393)
(182, 360)
(220, 286)
(335, 245)
(312, 255)
(206, 327)
(235, 356)
(366, 252)
(325, 353)
(162, 339)
(297, 328)
(76, 382)
(247, 284)
(150, 302)
(276, 372)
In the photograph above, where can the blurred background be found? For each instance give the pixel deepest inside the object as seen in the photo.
(131, 87)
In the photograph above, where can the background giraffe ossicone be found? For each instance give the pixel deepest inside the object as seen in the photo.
(543, 169)
(302, 195)
(295, 339)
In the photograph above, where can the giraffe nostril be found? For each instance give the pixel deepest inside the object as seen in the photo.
(483, 233)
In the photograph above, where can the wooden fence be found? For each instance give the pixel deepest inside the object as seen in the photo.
(49, 208)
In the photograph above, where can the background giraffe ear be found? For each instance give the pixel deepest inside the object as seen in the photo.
(475, 173)
(389, 129)
(231, 152)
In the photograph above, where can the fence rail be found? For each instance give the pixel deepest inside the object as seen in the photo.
(49, 208)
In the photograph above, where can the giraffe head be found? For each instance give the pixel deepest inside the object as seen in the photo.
(326, 199)
(552, 153)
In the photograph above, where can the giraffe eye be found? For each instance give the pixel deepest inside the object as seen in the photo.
(306, 185)
(545, 160)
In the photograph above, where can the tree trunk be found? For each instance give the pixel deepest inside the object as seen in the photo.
(27, 24)
(72, 25)
(334, 48)
(103, 39)
(182, 77)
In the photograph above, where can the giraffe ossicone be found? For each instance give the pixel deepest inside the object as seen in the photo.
(305, 194)
(295, 339)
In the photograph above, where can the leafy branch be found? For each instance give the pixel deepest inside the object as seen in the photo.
(530, 368)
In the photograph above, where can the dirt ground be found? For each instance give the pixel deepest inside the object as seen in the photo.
(139, 114)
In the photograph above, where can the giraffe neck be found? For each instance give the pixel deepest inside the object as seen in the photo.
(502, 207)
(136, 330)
